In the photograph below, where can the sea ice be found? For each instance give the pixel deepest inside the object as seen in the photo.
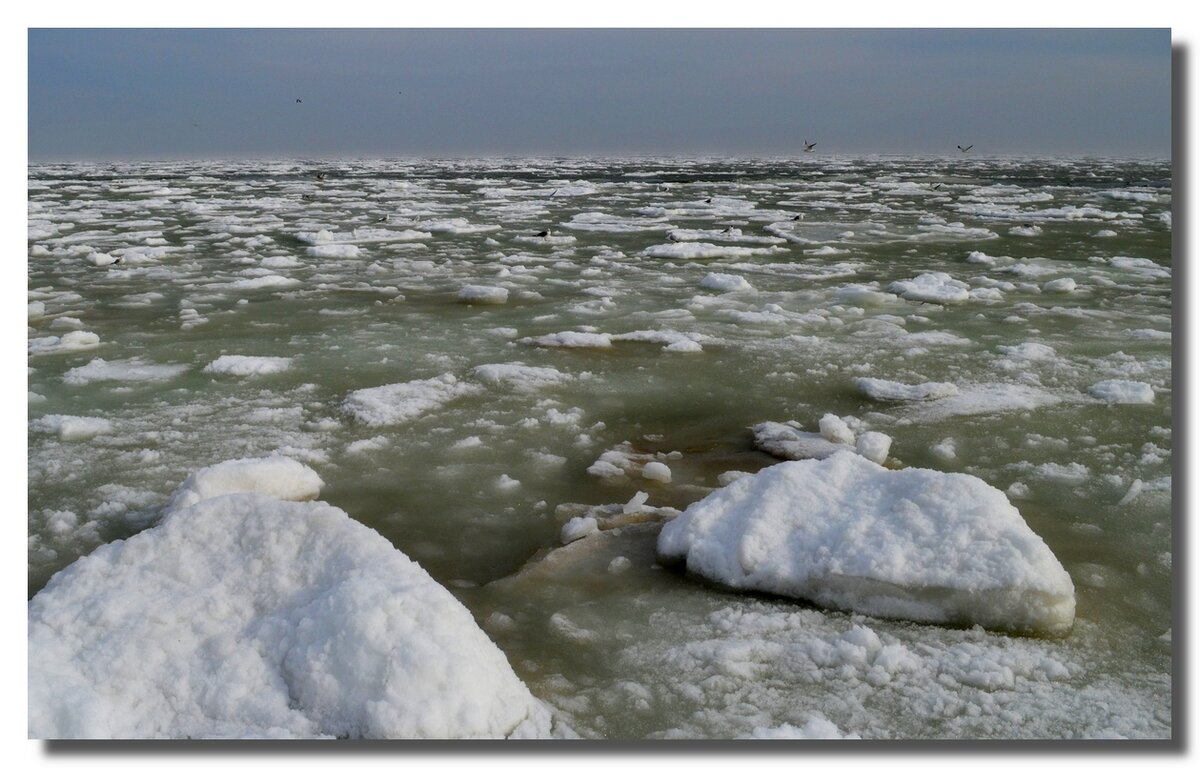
(483, 294)
(70, 428)
(397, 403)
(132, 370)
(244, 365)
(717, 281)
(518, 376)
(846, 533)
(1122, 391)
(932, 287)
(884, 390)
(246, 616)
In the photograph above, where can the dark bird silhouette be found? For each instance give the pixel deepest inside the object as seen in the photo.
(809, 147)
(961, 148)
(938, 185)
(321, 176)
(674, 238)
(797, 217)
(727, 230)
(117, 260)
(543, 233)
(299, 102)
(555, 192)
(708, 199)
(308, 197)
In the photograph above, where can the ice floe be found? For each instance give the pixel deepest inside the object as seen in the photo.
(241, 615)
(846, 533)
(248, 365)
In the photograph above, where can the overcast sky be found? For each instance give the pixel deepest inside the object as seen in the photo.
(223, 93)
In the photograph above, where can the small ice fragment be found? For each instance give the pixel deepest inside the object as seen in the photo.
(657, 471)
(578, 527)
(635, 504)
(1061, 285)
(619, 565)
(835, 430)
(874, 446)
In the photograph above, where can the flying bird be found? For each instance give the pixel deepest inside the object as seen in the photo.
(961, 148)
(299, 102)
(809, 147)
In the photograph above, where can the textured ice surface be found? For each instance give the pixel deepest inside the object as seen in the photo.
(881, 389)
(241, 615)
(246, 365)
(844, 532)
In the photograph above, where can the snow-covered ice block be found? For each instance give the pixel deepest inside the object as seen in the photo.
(873, 446)
(717, 281)
(333, 251)
(71, 427)
(132, 370)
(278, 477)
(578, 339)
(1122, 391)
(932, 287)
(1061, 285)
(518, 376)
(882, 389)
(835, 430)
(245, 365)
(846, 533)
(483, 294)
(245, 616)
(396, 403)
(788, 442)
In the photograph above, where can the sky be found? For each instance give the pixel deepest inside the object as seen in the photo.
(182, 93)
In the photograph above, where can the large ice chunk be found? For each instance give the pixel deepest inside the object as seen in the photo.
(846, 533)
(247, 616)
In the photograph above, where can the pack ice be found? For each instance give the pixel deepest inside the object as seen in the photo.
(844, 532)
(244, 614)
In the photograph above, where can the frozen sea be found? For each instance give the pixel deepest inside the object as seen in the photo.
(401, 327)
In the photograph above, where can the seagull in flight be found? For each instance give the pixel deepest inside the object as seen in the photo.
(299, 102)
(961, 148)
(809, 147)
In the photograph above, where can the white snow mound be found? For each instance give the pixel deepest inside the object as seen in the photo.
(846, 533)
(247, 616)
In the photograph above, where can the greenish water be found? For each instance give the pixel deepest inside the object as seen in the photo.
(645, 651)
